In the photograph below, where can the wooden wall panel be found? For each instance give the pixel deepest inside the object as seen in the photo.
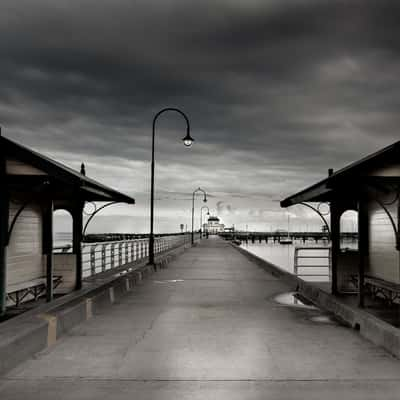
(25, 260)
(384, 260)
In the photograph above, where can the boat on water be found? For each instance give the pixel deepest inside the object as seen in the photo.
(287, 239)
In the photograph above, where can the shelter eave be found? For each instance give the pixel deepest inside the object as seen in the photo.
(56, 189)
(95, 194)
(316, 193)
(63, 180)
(328, 188)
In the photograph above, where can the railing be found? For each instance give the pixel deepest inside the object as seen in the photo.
(103, 256)
(99, 257)
(317, 253)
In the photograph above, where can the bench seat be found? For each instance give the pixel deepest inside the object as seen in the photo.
(17, 292)
(381, 288)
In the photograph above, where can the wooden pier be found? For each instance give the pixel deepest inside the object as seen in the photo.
(277, 236)
(208, 326)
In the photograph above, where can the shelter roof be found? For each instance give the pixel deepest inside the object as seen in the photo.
(376, 166)
(57, 173)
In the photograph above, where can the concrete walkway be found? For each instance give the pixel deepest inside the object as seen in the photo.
(207, 328)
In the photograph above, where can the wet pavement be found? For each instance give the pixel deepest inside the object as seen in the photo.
(208, 327)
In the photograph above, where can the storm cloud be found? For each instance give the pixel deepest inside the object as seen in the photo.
(277, 92)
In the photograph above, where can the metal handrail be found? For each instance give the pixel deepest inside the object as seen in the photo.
(102, 256)
(99, 257)
(297, 266)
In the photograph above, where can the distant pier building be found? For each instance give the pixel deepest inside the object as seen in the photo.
(213, 226)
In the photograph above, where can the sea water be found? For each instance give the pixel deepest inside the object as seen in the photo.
(282, 255)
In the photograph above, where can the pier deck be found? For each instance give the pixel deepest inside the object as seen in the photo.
(207, 328)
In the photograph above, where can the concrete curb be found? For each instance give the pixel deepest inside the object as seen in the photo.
(370, 327)
(33, 331)
(290, 279)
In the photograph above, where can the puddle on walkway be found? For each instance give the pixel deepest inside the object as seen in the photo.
(324, 319)
(169, 281)
(294, 299)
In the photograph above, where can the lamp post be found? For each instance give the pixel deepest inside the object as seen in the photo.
(201, 217)
(187, 141)
(204, 199)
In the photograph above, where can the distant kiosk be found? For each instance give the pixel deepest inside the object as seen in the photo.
(213, 226)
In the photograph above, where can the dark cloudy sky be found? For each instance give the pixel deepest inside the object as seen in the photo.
(277, 91)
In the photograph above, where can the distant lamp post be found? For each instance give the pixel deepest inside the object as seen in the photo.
(201, 217)
(187, 141)
(205, 201)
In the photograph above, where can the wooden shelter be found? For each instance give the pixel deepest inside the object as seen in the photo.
(32, 187)
(371, 187)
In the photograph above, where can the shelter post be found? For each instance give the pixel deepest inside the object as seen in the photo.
(48, 247)
(362, 248)
(77, 216)
(335, 240)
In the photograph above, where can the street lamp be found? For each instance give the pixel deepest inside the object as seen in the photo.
(204, 199)
(187, 141)
(201, 217)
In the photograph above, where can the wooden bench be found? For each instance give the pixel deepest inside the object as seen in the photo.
(381, 288)
(17, 292)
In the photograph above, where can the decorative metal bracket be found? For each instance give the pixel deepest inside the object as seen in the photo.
(95, 212)
(389, 215)
(321, 215)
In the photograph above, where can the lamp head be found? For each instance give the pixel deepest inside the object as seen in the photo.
(188, 140)
(205, 199)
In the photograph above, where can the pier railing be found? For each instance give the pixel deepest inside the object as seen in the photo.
(99, 257)
(313, 261)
